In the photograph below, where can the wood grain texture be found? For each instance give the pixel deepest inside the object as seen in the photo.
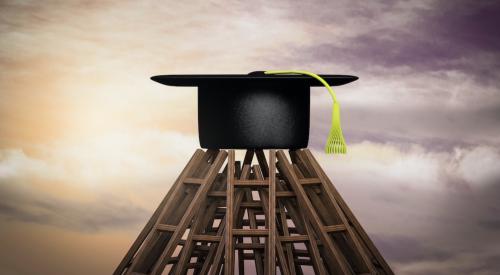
(270, 211)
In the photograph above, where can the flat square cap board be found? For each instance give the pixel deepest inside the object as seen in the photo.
(253, 111)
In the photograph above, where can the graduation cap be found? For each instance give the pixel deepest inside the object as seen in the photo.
(260, 110)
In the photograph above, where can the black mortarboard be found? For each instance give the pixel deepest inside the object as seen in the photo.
(254, 111)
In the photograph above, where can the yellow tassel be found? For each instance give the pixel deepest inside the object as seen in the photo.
(335, 143)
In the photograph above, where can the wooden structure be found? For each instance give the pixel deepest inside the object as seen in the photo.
(261, 215)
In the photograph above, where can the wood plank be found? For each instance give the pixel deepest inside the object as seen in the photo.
(253, 204)
(258, 222)
(249, 183)
(237, 169)
(241, 212)
(335, 228)
(191, 248)
(217, 262)
(216, 266)
(213, 249)
(302, 227)
(284, 268)
(325, 181)
(250, 246)
(303, 261)
(279, 249)
(312, 247)
(217, 193)
(310, 181)
(207, 238)
(207, 160)
(247, 160)
(199, 198)
(261, 158)
(283, 194)
(286, 233)
(251, 232)
(254, 223)
(187, 250)
(294, 239)
(272, 213)
(331, 226)
(229, 259)
(126, 261)
(286, 170)
(166, 227)
(143, 260)
(305, 170)
(194, 181)
(301, 252)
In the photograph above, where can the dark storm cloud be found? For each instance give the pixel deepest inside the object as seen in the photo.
(102, 213)
(471, 24)
(457, 35)
(434, 51)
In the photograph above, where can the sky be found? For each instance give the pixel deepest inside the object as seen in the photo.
(89, 144)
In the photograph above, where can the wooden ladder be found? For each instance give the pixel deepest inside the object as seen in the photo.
(156, 244)
(277, 212)
(346, 247)
(245, 185)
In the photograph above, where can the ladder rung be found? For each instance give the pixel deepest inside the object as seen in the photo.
(202, 247)
(194, 181)
(193, 265)
(285, 194)
(257, 221)
(293, 239)
(301, 252)
(250, 232)
(173, 260)
(310, 181)
(253, 204)
(251, 183)
(250, 246)
(334, 228)
(217, 194)
(303, 261)
(206, 238)
(166, 227)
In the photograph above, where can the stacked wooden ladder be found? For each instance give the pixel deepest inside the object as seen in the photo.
(279, 214)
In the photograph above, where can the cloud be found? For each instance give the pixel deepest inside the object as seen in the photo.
(478, 166)
(451, 111)
(85, 136)
(436, 128)
(403, 249)
(415, 204)
(86, 184)
(462, 263)
(408, 192)
(415, 167)
(414, 35)
(104, 213)
(144, 154)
